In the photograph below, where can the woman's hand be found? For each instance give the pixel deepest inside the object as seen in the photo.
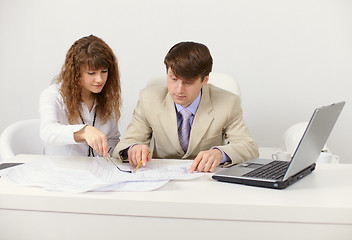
(94, 138)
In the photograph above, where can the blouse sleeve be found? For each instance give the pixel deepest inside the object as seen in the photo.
(54, 126)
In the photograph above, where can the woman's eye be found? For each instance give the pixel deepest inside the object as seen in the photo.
(91, 73)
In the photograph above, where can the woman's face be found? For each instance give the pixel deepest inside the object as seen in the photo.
(92, 81)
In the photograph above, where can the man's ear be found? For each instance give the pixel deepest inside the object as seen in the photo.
(205, 80)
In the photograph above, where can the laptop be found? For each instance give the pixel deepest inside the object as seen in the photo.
(274, 174)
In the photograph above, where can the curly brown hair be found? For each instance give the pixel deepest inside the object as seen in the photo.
(94, 52)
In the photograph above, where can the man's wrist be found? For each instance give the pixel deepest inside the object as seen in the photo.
(124, 152)
(225, 158)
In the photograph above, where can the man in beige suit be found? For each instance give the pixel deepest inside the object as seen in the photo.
(211, 132)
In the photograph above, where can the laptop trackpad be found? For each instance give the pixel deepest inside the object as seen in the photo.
(251, 165)
(240, 169)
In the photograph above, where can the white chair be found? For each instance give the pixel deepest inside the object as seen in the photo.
(226, 82)
(221, 80)
(292, 136)
(21, 138)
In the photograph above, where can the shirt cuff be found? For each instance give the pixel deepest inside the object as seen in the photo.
(124, 153)
(73, 129)
(225, 158)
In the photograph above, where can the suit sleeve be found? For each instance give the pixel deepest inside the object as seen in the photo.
(138, 131)
(239, 144)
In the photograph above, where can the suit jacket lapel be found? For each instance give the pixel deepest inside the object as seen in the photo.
(168, 121)
(201, 121)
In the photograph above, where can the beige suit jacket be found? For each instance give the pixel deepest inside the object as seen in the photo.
(217, 123)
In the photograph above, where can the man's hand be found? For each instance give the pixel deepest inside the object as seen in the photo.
(206, 161)
(138, 153)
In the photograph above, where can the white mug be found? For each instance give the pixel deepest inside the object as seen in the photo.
(282, 156)
(326, 157)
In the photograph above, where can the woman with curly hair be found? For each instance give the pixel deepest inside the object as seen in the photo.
(80, 111)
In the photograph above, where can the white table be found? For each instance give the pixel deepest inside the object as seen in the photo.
(317, 207)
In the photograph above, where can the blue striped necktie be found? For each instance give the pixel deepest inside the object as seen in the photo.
(184, 129)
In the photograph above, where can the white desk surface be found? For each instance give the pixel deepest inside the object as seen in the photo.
(317, 207)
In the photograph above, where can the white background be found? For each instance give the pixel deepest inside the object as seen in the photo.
(289, 57)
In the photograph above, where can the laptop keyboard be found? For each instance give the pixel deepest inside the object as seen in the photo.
(274, 170)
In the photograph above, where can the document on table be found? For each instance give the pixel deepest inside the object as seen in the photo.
(106, 170)
(102, 176)
(44, 173)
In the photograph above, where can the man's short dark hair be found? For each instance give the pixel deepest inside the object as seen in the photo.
(189, 60)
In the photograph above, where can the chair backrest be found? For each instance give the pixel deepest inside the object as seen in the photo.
(292, 136)
(21, 138)
(226, 82)
(220, 80)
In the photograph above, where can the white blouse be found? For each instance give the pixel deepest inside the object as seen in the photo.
(58, 134)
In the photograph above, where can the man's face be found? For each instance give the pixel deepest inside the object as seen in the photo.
(184, 92)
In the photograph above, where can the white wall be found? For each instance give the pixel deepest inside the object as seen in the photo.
(288, 56)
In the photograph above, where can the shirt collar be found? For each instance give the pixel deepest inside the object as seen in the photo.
(193, 106)
(85, 108)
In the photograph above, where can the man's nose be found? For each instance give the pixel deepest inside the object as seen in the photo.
(179, 86)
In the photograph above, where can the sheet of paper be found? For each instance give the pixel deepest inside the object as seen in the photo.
(43, 173)
(102, 176)
(106, 170)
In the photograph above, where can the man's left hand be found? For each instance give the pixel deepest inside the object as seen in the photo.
(206, 161)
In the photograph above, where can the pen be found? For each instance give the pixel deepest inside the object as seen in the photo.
(140, 162)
